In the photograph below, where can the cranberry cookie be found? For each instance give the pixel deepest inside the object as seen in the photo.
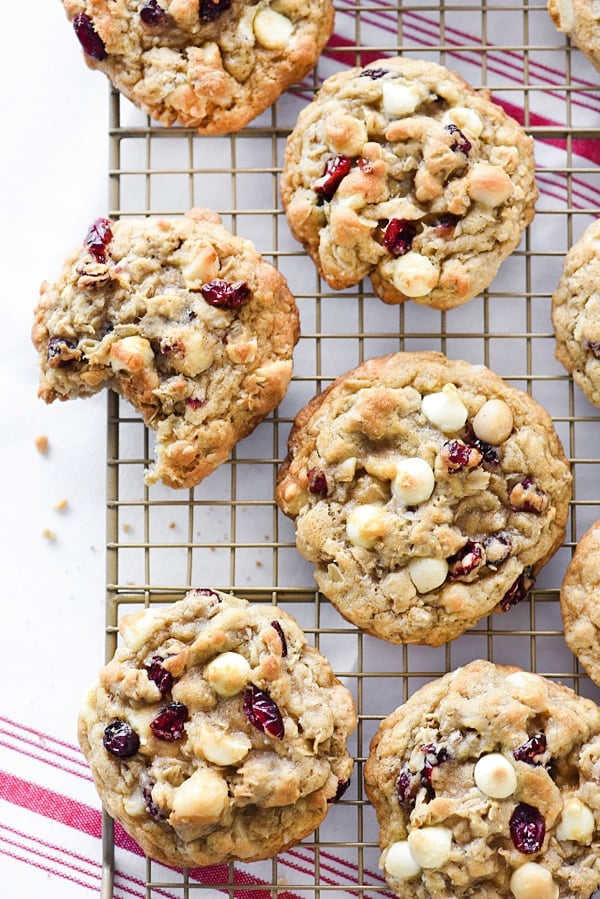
(427, 492)
(216, 732)
(485, 783)
(212, 65)
(576, 313)
(580, 602)
(401, 171)
(579, 20)
(182, 318)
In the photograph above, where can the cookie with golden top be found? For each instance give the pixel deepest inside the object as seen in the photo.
(403, 172)
(485, 782)
(578, 19)
(183, 319)
(580, 602)
(212, 65)
(217, 733)
(427, 492)
(576, 313)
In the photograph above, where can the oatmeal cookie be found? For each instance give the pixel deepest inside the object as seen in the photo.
(216, 732)
(403, 172)
(427, 492)
(576, 313)
(580, 602)
(211, 65)
(485, 783)
(579, 20)
(184, 320)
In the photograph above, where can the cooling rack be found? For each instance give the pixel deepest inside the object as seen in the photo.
(228, 533)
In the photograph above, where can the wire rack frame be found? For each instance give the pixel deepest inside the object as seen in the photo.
(227, 533)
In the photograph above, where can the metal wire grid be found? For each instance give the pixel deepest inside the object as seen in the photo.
(228, 533)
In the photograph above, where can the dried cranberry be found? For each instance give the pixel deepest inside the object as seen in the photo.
(446, 224)
(527, 752)
(206, 591)
(153, 15)
(407, 786)
(593, 346)
(460, 143)
(195, 403)
(262, 712)
(434, 755)
(336, 169)
(151, 807)
(341, 789)
(88, 37)
(226, 294)
(120, 739)
(281, 635)
(61, 351)
(159, 675)
(168, 724)
(457, 454)
(466, 560)
(399, 235)
(317, 482)
(527, 828)
(490, 455)
(212, 9)
(497, 548)
(518, 591)
(98, 236)
(374, 74)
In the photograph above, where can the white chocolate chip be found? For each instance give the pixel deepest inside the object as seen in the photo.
(135, 629)
(346, 470)
(200, 799)
(489, 184)
(413, 482)
(197, 356)
(131, 354)
(399, 863)
(364, 525)
(495, 776)
(466, 119)
(135, 804)
(271, 29)
(566, 15)
(203, 267)
(430, 846)
(413, 275)
(445, 409)
(243, 352)
(427, 574)
(399, 99)
(576, 822)
(494, 422)
(532, 881)
(228, 673)
(219, 747)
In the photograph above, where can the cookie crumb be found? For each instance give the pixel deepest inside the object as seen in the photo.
(48, 534)
(41, 444)
(61, 505)
(127, 528)
(258, 563)
(172, 525)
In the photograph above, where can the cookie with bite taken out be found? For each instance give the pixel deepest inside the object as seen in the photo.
(212, 65)
(182, 318)
(427, 492)
(404, 173)
(217, 733)
(485, 782)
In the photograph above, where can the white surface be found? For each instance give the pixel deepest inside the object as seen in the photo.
(53, 166)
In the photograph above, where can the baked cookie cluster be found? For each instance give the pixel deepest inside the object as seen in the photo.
(217, 732)
(427, 492)
(212, 65)
(485, 782)
(184, 320)
(402, 172)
